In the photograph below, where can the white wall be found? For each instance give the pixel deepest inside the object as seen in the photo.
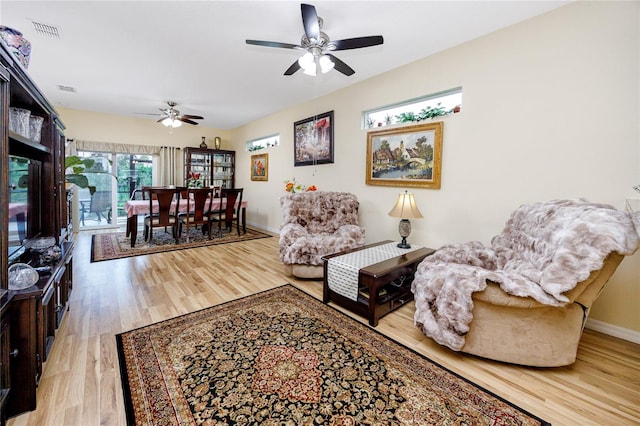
(550, 110)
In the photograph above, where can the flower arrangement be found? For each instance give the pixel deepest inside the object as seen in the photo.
(290, 185)
(194, 181)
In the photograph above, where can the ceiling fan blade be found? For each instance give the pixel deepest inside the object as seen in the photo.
(355, 43)
(192, 117)
(293, 68)
(186, 120)
(273, 44)
(341, 66)
(159, 121)
(310, 21)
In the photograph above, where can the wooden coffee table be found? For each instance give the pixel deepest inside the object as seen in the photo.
(382, 287)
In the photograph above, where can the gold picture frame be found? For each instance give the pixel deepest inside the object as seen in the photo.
(409, 156)
(260, 167)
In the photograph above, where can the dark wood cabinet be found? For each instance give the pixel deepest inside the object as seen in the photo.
(30, 317)
(214, 167)
(5, 355)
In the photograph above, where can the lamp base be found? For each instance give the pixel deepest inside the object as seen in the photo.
(404, 244)
(405, 229)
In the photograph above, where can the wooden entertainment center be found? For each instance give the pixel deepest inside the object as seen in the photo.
(30, 317)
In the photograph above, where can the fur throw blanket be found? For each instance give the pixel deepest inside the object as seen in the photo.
(318, 223)
(544, 250)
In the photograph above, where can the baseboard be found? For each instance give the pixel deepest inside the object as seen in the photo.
(264, 228)
(613, 330)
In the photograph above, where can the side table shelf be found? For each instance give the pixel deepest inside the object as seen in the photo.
(382, 287)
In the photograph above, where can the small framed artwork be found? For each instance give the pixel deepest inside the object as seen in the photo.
(260, 167)
(408, 156)
(313, 140)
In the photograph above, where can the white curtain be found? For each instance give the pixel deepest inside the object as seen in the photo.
(170, 166)
(116, 148)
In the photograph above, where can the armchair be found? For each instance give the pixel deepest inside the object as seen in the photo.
(315, 224)
(526, 298)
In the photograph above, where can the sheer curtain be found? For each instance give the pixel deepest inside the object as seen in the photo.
(170, 166)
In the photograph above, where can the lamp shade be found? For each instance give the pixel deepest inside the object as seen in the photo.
(406, 207)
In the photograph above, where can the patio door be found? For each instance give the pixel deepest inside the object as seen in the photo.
(134, 171)
(96, 210)
(105, 208)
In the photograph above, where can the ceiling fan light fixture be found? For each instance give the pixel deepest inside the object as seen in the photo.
(307, 63)
(167, 121)
(310, 70)
(326, 64)
(176, 123)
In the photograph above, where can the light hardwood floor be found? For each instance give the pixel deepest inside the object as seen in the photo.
(81, 381)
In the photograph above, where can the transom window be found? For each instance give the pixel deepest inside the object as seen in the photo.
(413, 110)
(264, 142)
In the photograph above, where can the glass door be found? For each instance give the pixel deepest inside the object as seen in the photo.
(134, 171)
(105, 208)
(96, 210)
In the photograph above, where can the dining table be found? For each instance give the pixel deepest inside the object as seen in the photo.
(137, 207)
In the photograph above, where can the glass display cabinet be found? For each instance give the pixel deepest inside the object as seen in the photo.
(209, 167)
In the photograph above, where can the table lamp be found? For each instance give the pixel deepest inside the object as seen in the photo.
(405, 209)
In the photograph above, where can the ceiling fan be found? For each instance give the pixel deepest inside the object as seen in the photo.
(317, 45)
(173, 118)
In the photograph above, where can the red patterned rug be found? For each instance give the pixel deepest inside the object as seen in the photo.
(117, 245)
(281, 357)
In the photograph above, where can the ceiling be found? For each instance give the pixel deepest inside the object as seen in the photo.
(131, 57)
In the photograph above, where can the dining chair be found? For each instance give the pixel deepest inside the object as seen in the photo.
(168, 200)
(198, 210)
(230, 207)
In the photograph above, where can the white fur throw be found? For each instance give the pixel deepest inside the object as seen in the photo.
(544, 250)
(318, 223)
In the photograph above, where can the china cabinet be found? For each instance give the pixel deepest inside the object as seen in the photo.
(34, 205)
(214, 167)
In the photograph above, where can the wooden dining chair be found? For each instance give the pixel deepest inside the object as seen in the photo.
(198, 210)
(230, 207)
(168, 200)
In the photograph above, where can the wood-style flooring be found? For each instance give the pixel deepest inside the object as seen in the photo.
(81, 380)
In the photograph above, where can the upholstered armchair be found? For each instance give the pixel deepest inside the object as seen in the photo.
(526, 298)
(315, 224)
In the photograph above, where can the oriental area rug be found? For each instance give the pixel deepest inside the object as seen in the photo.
(117, 245)
(281, 357)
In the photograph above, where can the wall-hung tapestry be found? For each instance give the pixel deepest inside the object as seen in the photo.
(408, 156)
(313, 140)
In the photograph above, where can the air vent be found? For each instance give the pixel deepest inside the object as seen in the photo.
(67, 89)
(46, 30)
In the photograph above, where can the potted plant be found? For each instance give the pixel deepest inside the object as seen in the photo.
(75, 171)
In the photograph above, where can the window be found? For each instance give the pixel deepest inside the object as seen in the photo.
(265, 142)
(423, 108)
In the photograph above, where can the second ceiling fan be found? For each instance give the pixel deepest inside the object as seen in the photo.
(173, 118)
(318, 45)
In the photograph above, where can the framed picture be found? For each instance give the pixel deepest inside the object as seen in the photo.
(260, 167)
(313, 140)
(409, 156)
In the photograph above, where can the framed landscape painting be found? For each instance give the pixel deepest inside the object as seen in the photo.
(313, 140)
(260, 167)
(408, 156)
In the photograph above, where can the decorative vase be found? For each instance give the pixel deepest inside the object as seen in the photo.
(217, 142)
(203, 144)
(20, 46)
